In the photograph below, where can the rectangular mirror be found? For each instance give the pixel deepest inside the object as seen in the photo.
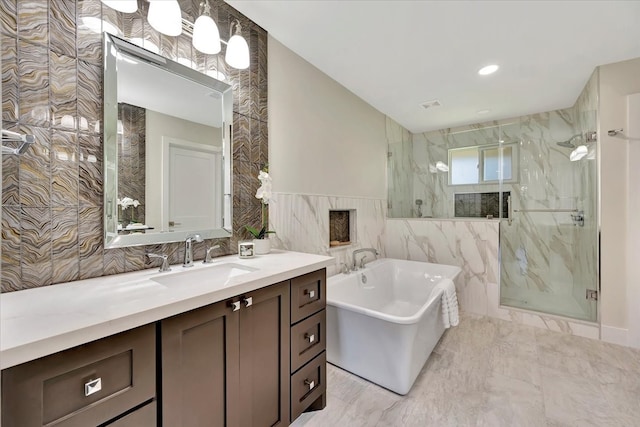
(167, 137)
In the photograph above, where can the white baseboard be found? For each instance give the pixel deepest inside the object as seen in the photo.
(614, 335)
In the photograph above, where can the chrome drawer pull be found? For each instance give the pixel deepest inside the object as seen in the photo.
(93, 386)
(235, 305)
(310, 293)
(310, 383)
(311, 338)
(248, 302)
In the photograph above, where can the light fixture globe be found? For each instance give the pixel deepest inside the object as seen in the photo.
(237, 52)
(165, 16)
(206, 37)
(126, 6)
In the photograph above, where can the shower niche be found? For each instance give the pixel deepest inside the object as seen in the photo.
(342, 226)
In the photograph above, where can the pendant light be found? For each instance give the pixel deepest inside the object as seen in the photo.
(206, 37)
(165, 16)
(126, 6)
(237, 54)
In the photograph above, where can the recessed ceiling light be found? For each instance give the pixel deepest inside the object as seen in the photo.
(489, 69)
(482, 111)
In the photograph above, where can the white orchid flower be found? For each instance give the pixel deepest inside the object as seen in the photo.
(264, 191)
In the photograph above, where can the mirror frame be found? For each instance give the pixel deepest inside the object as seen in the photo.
(112, 45)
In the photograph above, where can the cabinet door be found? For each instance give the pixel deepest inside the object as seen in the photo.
(200, 371)
(264, 356)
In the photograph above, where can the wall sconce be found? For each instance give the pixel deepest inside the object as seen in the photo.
(165, 17)
(126, 6)
(206, 37)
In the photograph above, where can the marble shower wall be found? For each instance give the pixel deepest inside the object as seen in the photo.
(399, 172)
(52, 88)
(301, 223)
(471, 245)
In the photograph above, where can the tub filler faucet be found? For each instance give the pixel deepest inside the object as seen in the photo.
(362, 260)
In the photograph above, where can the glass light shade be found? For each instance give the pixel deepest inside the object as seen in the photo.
(206, 37)
(578, 153)
(165, 16)
(126, 6)
(237, 52)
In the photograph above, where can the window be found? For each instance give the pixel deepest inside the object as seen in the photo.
(484, 164)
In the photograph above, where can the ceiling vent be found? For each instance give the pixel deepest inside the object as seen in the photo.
(430, 104)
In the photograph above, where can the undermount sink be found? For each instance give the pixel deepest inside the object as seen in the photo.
(215, 275)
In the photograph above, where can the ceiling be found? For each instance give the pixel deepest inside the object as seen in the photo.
(396, 55)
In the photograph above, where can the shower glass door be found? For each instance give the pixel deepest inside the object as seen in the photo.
(548, 241)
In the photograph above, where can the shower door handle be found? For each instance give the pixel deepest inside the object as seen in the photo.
(509, 211)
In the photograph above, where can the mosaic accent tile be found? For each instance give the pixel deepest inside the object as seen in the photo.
(10, 175)
(241, 138)
(63, 74)
(11, 234)
(90, 242)
(33, 21)
(8, 15)
(89, 97)
(134, 258)
(90, 171)
(35, 169)
(114, 261)
(89, 43)
(33, 72)
(54, 192)
(62, 30)
(10, 79)
(64, 235)
(64, 169)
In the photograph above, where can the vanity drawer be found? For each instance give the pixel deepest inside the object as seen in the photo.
(143, 417)
(308, 295)
(308, 384)
(307, 339)
(86, 385)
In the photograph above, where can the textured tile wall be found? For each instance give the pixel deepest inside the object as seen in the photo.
(132, 161)
(52, 88)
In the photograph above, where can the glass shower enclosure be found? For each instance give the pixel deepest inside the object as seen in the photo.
(549, 236)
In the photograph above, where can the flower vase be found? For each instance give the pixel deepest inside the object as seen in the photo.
(261, 246)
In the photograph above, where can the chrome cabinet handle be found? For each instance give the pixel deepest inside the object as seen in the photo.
(310, 293)
(310, 383)
(310, 337)
(235, 305)
(248, 301)
(93, 386)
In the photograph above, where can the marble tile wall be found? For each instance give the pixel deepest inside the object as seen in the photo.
(52, 88)
(471, 245)
(399, 174)
(301, 223)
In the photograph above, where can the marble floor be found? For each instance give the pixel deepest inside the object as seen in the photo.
(488, 372)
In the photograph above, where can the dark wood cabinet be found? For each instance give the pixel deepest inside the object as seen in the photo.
(308, 343)
(227, 364)
(87, 385)
(255, 360)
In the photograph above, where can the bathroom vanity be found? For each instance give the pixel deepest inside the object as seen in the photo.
(232, 343)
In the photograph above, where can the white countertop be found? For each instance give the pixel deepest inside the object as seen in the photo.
(42, 321)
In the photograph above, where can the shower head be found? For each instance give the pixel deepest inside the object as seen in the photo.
(569, 142)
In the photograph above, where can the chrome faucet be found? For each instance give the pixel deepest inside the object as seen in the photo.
(188, 249)
(165, 261)
(357, 251)
(207, 258)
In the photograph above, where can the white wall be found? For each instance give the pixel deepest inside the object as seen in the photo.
(323, 139)
(617, 194)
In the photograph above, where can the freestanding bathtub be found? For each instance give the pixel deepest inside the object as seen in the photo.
(383, 321)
